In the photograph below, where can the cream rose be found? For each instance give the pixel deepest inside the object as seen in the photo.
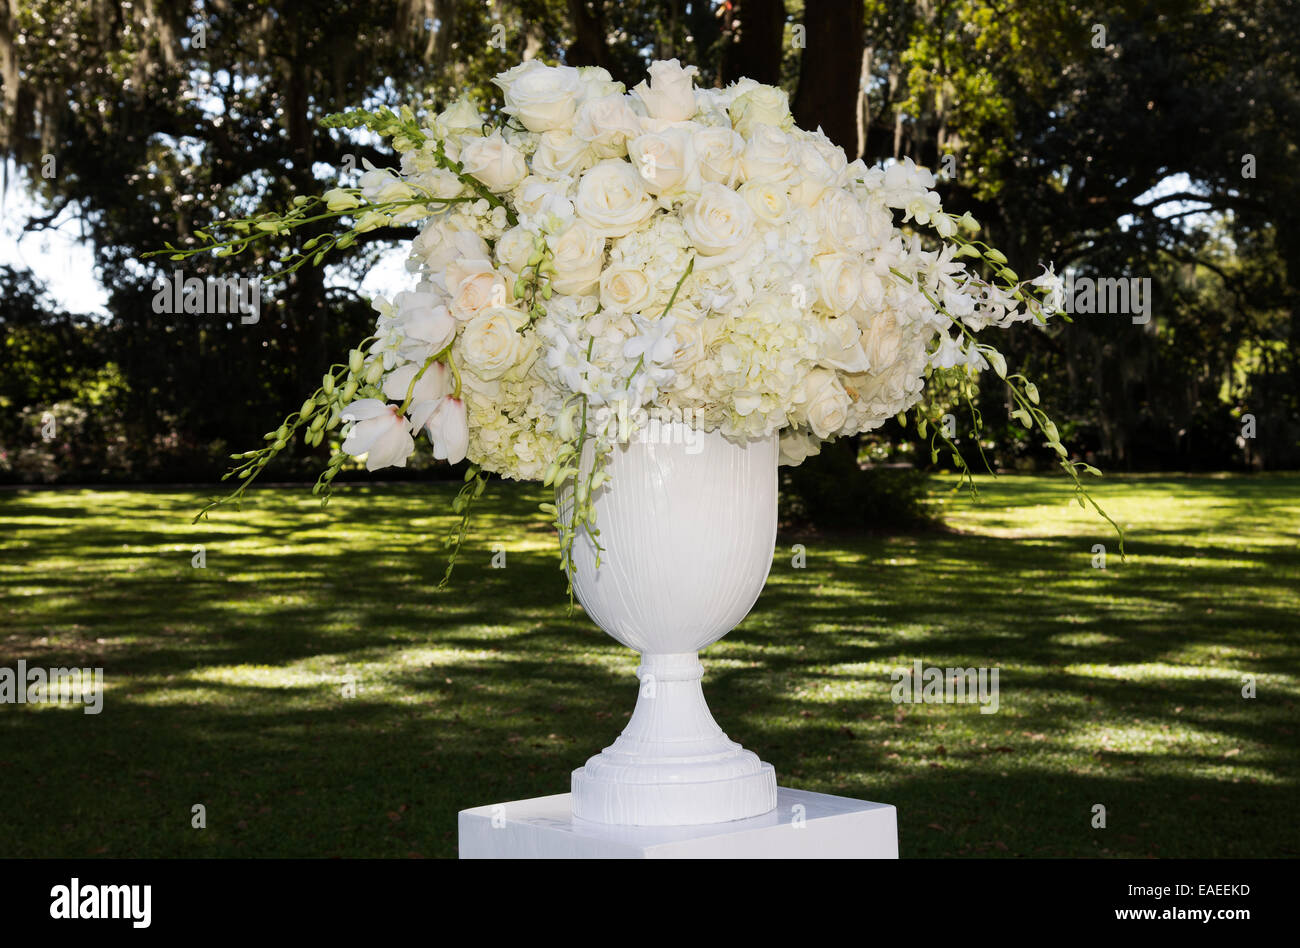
(768, 156)
(882, 340)
(611, 200)
(538, 196)
(440, 244)
(823, 402)
(718, 152)
(797, 446)
(841, 222)
(666, 162)
(718, 223)
(597, 83)
(491, 345)
(767, 200)
(624, 289)
(477, 286)
(514, 247)
(560, 155)
(494, 161)
(578, 255)
(872, 291)
(669, 95)
(688, 348)
(461, 116)
(541, 97)
(841, 344)
(761, 105)
(606, 125)
(838, 281)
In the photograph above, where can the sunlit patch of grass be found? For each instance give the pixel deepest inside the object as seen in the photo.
(228, 685)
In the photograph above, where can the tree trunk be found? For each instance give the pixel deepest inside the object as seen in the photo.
(753, 33)
(830, 69)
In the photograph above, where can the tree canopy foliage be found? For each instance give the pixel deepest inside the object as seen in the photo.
(1112, 138)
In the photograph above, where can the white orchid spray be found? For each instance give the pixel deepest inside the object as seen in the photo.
(595, 252)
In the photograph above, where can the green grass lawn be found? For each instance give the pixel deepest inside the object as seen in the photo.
(224, 685)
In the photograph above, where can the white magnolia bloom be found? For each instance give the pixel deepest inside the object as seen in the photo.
(448, 430)
(426, 329)
(380, 432)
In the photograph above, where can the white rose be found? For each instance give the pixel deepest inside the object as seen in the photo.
(767, 200)
(823, 401)
(439, 183)
(841, 344)
(666, 162)
(761, 105)
(541, 97)
(815, 171)
(439, 244)
(514, 247)
(578, 255)
(606, 125)
(491, 344)
(687, 339)
(624, 289)
(718, 224)
(718, 151)
(538, 196)
(768, 156)
(611, 200)
(495, 162)
(560, 155)
(477, 287)
(841, 222)
(670, 93)
(461, 116)
(597, 83)
(882, 340)
(797, 446)
(872, 291)
(838, 281)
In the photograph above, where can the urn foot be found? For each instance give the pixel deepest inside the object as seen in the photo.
(672, 765)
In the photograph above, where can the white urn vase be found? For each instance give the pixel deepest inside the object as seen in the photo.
(688, 525)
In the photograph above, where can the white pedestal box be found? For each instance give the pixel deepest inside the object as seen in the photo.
(804, 825)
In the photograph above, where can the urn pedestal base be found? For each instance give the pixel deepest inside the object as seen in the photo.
(803, 825)
(672, 765)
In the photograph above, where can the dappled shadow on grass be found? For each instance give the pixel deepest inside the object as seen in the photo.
(1119, 686)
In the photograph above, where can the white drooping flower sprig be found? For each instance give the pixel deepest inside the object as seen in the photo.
(595, 255)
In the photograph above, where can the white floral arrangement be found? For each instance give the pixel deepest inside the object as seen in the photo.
(591, 256)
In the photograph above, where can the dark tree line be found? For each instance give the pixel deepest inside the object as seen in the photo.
(1052, 119)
